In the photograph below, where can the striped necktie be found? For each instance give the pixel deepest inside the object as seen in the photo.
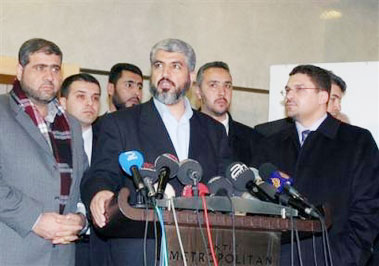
(304, 135)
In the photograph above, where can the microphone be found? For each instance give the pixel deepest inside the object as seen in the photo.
(149, 176)
(201, 188)
(167, 167)
(131, 162)
(220, 186)
(190, 172)
(280, 180)
(283, 182)
(243, 179)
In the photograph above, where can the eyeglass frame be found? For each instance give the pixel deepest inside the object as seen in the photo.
(297, 90)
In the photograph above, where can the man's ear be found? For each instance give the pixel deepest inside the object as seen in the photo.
(63, 102)
(110, 89)
(19, 71)
(197, 92)
(323, 97)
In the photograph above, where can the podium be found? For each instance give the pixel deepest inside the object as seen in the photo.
(257, 235)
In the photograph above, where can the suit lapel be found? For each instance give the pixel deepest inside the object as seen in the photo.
(154, 135)
(25, 121)
(197, 138)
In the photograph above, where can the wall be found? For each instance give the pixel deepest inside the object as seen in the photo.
(250, 35)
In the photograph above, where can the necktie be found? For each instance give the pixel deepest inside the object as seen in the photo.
(304, 135)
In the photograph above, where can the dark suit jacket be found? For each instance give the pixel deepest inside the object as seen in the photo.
(241, 141)
(338, 164)
(141, 128)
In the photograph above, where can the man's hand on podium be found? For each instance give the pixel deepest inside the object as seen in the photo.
(97, 206)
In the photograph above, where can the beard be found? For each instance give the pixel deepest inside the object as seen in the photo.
(38, 96)
(117, 102)
(167, 97)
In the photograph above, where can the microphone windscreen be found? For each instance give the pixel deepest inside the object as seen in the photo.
(239, 174)
(148, 170)
(167, 160)
(266, 170)
(190, 171)
(220, 185)
(129, 159)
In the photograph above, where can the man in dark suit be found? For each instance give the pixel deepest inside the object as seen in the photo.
(214, 88)
(332, 163)
(165, 124)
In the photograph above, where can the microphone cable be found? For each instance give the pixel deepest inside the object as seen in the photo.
(145, 213)
(155, 241)
(208, 227)
(164, 253)
(178, 232)
(326, 245)
(292, 239)
(298, 246)
(233, 229)
(201, 231)
(314, 248)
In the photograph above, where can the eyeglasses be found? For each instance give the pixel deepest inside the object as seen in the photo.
(296, 90)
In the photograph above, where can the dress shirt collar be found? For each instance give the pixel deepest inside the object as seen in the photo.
(164, 111)
(300, 128)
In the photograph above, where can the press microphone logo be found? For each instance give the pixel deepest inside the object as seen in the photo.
(237, 170)
(131, 155)
(276, 182)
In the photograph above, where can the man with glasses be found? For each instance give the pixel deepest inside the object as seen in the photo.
(332, 163)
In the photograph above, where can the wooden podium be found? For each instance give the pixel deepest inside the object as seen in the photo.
(258, 237)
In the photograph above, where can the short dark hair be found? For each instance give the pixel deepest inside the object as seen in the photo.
(37, 45)
(318, 75)
(65, 89)
(338, 81)
(215, 64)
(117, 69)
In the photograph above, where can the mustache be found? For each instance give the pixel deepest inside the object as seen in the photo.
(166, 79)
(221, 98)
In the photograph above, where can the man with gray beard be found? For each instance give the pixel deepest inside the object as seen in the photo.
(165, 124)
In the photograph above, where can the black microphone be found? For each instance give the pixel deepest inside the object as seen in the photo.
(282, 182)
(167, 166)
(190, 172)
(220, 186)
(243, 179)
(149, 176)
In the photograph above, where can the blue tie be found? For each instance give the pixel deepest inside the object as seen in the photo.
(304, 135)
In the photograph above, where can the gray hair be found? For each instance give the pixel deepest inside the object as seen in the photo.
(178, 46)
(215, 64)
(37, 45)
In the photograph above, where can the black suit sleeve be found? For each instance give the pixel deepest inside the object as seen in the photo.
(363, 219)
(104, 173)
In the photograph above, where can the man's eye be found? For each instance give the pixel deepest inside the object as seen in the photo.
(40, 67)
(157, 65)
(56, 69)
(177, 66)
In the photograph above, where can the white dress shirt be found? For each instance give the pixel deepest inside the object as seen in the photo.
(179, 131)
